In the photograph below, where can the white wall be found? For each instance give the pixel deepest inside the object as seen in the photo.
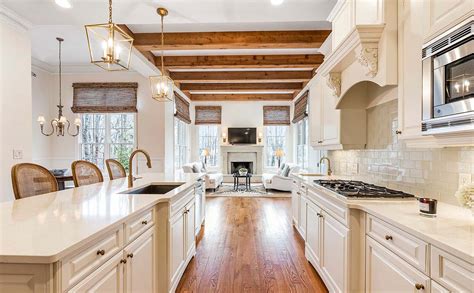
(150, 118)
(15, 99)
(241, 114)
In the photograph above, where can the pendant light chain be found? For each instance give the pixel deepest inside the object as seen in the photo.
(162, 46)
(110, 11)
(60, 79)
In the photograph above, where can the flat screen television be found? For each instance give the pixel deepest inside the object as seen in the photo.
(242, 135)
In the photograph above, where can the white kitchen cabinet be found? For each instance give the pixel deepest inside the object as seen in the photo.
(295, 202)
(190, 222)
(177, 239)
(200, 206)
(140, 267)
(107, 278)
(302, 215)
(313, 234)
(437, 288)
(440, 15)
(334, 261)
(453, 273)
(315, 112)
(385, 271)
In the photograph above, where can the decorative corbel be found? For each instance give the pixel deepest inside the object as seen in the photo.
(334, 83)
(368, 57)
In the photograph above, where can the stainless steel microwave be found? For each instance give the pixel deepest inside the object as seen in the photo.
(448, 82)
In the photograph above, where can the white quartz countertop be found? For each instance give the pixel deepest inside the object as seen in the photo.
(44, 228)
(451, 230)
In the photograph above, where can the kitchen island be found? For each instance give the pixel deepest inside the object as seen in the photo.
(103, 236)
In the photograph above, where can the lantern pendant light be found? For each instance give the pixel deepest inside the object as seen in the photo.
(61, 124)
(162, 85)
(110, 47)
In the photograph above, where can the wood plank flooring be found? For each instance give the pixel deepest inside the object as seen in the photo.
(250, 245)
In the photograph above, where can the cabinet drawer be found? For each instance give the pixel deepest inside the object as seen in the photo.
(451, 272)
(329, 204)
(179, 204)
(408, 247)
(136, 226)
(86, 260)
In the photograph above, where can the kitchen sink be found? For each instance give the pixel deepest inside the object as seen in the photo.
(154, 189)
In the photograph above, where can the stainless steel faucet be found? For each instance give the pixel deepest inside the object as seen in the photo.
(329, 164)
(130, 162)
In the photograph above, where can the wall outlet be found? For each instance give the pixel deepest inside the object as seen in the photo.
(353, 168)
(464, 179)
(17, 154)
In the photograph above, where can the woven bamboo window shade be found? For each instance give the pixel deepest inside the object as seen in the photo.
(182, 108)
(276, 115)
(301, 108)
(115, 97)
(208, 114)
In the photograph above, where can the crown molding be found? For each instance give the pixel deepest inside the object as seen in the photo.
(8, 16)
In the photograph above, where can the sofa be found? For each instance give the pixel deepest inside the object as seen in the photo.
(213, 179)
(282, 179)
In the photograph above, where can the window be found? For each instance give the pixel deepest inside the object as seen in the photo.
(180, 143)
(107, 136)
(275, 138)
(209, 139)
(302, 143)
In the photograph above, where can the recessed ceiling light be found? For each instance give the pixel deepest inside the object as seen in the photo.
(63, 3)
(277, 2)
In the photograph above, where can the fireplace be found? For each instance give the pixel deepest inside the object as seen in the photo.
(235, 166)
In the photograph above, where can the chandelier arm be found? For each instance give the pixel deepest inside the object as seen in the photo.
(47, 134)
(68, 132)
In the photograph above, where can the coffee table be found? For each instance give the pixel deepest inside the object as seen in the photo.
(247, 177)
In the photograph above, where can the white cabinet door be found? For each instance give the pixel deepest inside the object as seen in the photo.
(440, 15)
(190, 240)
(140, 267)
(386, 272)
(302, 219)
(335, 253)
(107, 278)
(313, 233)
(198, 217)
(331, 117)
(295, 202)
(176, 245)
(315, 126)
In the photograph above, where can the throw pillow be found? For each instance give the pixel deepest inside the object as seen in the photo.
(195, 168)
(286, 171)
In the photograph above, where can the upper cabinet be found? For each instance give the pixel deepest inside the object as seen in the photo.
(440, 15)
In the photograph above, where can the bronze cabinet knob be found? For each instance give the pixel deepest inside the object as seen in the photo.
(419, 287)
(100, 252)
(144, 222)
(130, 255)
(388, 237)
(123, 261)
(398, 132)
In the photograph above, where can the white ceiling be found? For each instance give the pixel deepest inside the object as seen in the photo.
(50, 20)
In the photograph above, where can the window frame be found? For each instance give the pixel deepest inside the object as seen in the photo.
(218, 143)
(179, 148)
(107, 136)
(302, 137)
(285, 144)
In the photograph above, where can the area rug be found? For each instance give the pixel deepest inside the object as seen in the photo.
(257, 190)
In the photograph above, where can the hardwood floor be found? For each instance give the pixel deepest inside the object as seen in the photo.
(250, 245)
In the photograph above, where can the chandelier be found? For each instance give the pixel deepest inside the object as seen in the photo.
(162, 85)
(110, 47)
(59, 125)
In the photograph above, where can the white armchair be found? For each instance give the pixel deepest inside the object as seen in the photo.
(282, 180)
(212, 179)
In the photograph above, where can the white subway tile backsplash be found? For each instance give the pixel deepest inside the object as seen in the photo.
(388, 162)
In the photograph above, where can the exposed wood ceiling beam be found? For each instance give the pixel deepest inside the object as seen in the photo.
(276, 86)
(243, 61)
(241, 97)
(241, 76)
(231, 40)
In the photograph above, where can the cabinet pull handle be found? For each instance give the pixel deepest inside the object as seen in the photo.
(144, 222)
(419, 287)
(388, 237)
(100, 252)
(130, 255)
(123, 261)
(319, 215)
(320, 141)
(398, 132)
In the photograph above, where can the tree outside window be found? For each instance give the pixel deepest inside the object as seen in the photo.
(208, 136)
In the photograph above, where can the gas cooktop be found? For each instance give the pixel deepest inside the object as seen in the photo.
(359, 189)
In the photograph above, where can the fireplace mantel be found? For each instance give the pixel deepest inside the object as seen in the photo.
(255, 150)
